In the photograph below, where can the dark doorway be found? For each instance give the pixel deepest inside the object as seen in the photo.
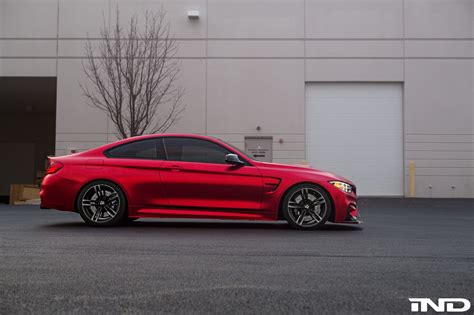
(27, 129)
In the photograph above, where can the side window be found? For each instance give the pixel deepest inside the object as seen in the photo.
(150, 149)
(195, 150)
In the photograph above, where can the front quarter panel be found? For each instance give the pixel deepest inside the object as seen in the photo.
(291, 177)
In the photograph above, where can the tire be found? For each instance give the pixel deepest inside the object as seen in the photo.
(102, 203)
(306, 206)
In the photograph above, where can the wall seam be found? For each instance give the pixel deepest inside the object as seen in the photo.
(403, 104)
(57, 70)
(265, 38)
(57, 40)
(262, 58)
(206, 65)
(107, 117)
(304, 83)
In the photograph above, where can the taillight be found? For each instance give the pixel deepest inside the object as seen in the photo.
(54, 166)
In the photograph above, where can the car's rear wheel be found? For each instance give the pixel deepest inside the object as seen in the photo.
(102, 203)
(306, 206)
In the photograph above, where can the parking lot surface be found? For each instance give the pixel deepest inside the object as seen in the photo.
(51, 262)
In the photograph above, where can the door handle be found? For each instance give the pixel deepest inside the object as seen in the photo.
(175, 168)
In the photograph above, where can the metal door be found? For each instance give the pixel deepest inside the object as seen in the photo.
(259, 148)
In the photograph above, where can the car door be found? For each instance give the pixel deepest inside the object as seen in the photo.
(135, 166)
(196, 175)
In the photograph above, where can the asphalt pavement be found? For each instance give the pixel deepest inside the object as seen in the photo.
(51, 262)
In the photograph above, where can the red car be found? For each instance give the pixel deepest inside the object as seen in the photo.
(192, 176)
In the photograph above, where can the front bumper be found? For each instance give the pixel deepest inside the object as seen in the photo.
(345, 207)
(352, 216)
(352, 220)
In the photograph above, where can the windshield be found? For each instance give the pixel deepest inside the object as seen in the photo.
(236, 149)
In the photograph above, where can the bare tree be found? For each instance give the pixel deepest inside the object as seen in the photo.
(132, 75)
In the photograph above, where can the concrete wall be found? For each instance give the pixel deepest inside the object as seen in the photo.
(245, 64)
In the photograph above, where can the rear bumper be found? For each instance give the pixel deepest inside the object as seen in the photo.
(56, 193)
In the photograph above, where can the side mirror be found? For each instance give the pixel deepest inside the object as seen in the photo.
(234, 159)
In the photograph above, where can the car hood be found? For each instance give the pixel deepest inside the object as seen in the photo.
(302, 169)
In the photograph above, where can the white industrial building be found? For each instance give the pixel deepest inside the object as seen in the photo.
(358, 87)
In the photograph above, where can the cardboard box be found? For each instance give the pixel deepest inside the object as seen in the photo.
(24, 194)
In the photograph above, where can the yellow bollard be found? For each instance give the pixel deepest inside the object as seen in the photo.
(411, 176)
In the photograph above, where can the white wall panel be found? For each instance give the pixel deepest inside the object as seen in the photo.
(28, 18)
(354, 70)
(256, 19)
(176, 13)
(244, 94)
(27, 48)
(438, 96)
(73, 115)
(253, 48)
(439, 48)
(24, 67)
(193, 80)
(76, 48)
(354, 19)
(441, 186)
(82, 18)
(438, 18)
(354, 48)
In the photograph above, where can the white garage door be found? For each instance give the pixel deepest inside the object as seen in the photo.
(355, 130)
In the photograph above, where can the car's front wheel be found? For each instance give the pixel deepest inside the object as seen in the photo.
(306, 206)
(102, 203)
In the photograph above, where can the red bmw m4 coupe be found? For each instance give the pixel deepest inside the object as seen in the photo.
(192, 176)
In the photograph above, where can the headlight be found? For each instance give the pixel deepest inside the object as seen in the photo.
(345, 187)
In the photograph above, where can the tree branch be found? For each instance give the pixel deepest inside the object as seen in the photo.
(132, 75)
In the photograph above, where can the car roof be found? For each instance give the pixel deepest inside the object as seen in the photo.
(161, 135)
(152, 136)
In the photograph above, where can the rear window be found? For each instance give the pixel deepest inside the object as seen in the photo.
(150, 149)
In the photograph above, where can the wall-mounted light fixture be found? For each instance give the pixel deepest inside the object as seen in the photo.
(193, 15)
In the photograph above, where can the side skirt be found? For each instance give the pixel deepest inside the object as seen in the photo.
(205, 214)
